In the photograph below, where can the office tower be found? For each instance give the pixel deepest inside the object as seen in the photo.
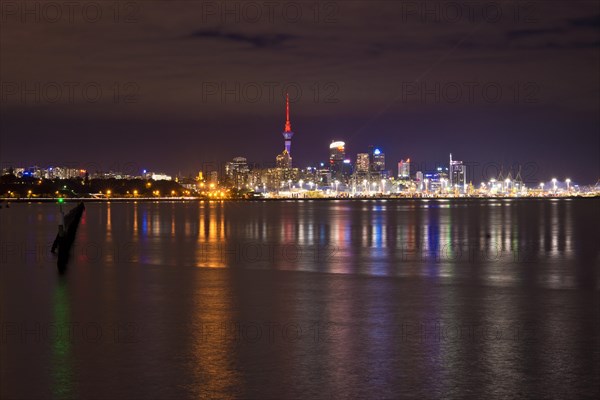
(457, 175)
(378, 161)
(404, 169)
(362, 162)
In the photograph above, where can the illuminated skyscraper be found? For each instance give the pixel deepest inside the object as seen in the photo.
(337, 153)
(404, 169)
(362, 162)
(237, 172)
(283, 160)
(457, 175)
(378, 160)
(419, 179)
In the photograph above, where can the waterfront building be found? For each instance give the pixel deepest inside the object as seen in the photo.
(457, 175)
(404, 169)
(378, 164)
(236, 172)
(362, 163)
(337, 155)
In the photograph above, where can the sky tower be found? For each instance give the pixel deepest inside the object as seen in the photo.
(287, 133)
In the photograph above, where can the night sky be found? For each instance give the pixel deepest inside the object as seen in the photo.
(361, 68)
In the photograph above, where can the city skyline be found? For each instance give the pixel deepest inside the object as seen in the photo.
(469, 172)
(414, 82)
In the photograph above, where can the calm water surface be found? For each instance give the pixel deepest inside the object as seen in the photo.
(326, 299)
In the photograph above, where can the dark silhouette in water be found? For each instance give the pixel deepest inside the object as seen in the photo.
(66, 236)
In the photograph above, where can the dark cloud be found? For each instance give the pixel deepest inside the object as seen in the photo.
(586, 22)
(576, 45)
(522, 33)
(571, 36)
(260, 41)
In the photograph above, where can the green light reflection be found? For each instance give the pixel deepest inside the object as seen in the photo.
(62, 371)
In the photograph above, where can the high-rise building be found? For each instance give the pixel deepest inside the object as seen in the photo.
(419, 176)
(378, 163)
(362, 162)
(404, 169)
(435, 181)
(337, 151)
(283, 160)
(337, 154)
(457, 175)
(214, 177)
(237, 172)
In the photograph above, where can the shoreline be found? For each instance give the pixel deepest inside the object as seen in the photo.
(197, 199)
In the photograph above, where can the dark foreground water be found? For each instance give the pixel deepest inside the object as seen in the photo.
(338, 299)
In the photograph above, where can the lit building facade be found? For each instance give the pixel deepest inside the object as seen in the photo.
(378, 161)
(337, 154)
(283, 160)
(237, 172)
(457, 175)
(435, 181)
(362, 162)
(404, 169)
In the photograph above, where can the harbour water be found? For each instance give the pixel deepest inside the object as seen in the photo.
(304, 299)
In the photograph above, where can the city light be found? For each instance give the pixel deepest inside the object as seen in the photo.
(368, 176)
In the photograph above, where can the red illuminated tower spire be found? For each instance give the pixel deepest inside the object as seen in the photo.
(287, 133)
(288, 124)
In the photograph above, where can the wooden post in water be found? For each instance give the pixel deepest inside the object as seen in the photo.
(66, 235)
